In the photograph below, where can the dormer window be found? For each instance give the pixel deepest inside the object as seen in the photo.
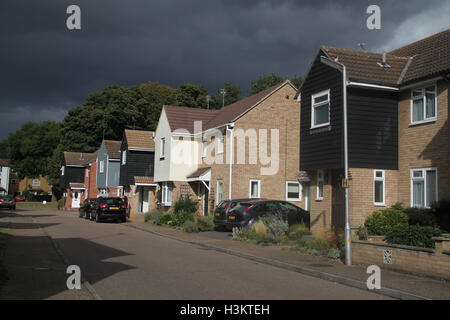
(423, 105)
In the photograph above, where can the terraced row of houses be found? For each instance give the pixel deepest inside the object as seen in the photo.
(384, 116)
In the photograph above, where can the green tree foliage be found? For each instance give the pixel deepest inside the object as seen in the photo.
(31, 148)
(192, 95)
(156, 95)
(267, 81)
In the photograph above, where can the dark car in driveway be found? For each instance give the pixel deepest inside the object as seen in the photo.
(248, 212)
(109, 209)
(7, 202)
(85, 209)
(222, 210)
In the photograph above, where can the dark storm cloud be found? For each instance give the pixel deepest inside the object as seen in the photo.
(47, 69)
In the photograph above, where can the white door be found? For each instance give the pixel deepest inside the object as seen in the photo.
(76, 199)
(145, 200)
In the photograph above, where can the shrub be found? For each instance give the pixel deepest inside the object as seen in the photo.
(334, 253)
(382, 221)
(362, 233)
(189, 226)
(416, 236)
(185, 204)
(441, 211)
(260, 229)
(276, 226)
(205, 223)
(296, 232)
(182, 217)
(153, 215)
(166, 218)
(419, 216)
(398, 206)
(61, 203)
(237, 233)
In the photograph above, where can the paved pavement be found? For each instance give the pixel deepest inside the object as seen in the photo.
(119, 262)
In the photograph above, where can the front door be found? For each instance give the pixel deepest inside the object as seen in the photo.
(205, 201)
(76, 195)
(145, 200)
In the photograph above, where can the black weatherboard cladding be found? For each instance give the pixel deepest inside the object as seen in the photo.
(322, 148)
(138, 164)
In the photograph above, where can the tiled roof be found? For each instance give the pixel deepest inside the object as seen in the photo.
(364, 65)
(113, 148)
(77, 185)
(198, 173)
(79, 158)
(184, 117)
(233, 111)
(4, 163)
(143, 180)
(430, 56)
(424, 58)
(140, 139)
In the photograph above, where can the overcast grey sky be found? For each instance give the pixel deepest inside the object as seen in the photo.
(47, 69)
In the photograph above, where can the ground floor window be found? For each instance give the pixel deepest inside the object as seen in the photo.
(423, 187)
(166, 194)
(319, 195)
(379, 187)
(255, 188)
(293, 191)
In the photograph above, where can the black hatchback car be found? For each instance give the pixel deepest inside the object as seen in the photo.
(85, 209)
(222, 210)
(107, 209)
(248, 212)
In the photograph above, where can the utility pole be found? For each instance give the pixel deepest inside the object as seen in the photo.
(223, 92)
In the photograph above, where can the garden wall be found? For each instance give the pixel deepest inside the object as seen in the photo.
(432, 262)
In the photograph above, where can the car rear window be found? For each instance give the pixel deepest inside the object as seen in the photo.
(222, 205)
(240, 207)
(113, 201)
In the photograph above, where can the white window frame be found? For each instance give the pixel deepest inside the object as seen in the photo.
(102, 166)
(299, 199)
(383, 180)
(162, 148)
(320, 178)
(313, 106)
(219, 181)
(424, 179)
(424, 99)
(62, 170)
(37, 184)
(164, 194)
(87, 172)
(250, 188)
(124, 157)
(220, 145)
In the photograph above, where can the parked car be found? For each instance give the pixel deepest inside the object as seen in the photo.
(7, 202)
(222, 210)
(86, 207)
(248, 212)
(20, 198)
(107, 209)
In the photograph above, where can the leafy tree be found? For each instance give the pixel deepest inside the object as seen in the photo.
(192, 95)
(268, 81)
(4, 149)
(155, 95)
(31, 148)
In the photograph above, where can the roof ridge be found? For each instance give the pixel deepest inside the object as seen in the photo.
(346, 50)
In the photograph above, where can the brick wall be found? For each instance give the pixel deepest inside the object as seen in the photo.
(417, 260)
(277, 112)
(91, 185)
(423, 146)
(320, 210)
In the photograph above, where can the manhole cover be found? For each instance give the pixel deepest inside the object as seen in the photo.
(318, 265)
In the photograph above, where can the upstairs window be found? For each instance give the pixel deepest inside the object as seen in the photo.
(220, 145)
(124, 157)
(423, 105)
(320, 109)
(255, 189)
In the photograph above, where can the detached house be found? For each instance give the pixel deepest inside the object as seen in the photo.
(108, 168)
(137, 170)
(397, 129)
(74, 178)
